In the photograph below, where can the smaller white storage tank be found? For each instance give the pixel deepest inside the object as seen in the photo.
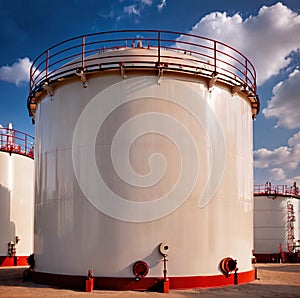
(16, 196)
(276, 222)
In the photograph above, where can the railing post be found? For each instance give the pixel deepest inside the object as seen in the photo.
(158, 43)
(246, 71)
(25, 144)
(31, 79)
(215, 56)
(254, 80)
(47, 64)
(82, 51)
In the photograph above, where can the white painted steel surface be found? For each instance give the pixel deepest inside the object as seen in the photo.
(16, 202)
(271, 225)
(88, 217)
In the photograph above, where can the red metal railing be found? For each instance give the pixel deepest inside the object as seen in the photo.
(14, 141)
(203, 56)
(276, 190)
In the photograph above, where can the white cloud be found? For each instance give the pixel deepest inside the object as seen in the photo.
(138, 8)
(277, 174)
(286, 157)
(291, 181)
(280, 163)
(295, 139)
(108, 15)
(285, 102)
(17, 73)
(162, 5)
(147, 2)
(266, 39)
(132, 10)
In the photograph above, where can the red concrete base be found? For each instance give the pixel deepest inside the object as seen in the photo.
(166, 285)
(143, 284)
(89, 285)
(6, 261)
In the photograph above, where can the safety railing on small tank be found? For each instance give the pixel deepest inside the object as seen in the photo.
(14, 141)
(276, 190)
(196, 54)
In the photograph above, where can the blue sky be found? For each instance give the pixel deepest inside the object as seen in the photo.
(267, 32)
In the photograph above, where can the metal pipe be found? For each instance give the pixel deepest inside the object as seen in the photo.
(215, 56)
(246, 71)
(82, 51)
(165, 271)
(158, 44)
(47, 64)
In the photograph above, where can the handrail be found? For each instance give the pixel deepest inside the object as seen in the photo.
(14, 141)
(276, 190)
(65, 58)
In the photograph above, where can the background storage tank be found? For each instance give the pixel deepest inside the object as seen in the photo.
(16, 196)
(141, 142)
(276, 223)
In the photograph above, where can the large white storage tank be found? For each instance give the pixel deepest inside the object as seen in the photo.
(276, 223)
(16, 196)
(141, 142)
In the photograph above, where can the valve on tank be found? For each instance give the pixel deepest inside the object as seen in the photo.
(89, 282)
(11, 249)
(140, 269)
(228, 265)
(164, 249)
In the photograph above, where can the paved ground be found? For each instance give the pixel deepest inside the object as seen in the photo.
(275, 280)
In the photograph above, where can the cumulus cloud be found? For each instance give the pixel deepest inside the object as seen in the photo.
(294, 140)
(292, 180)
(17, 73)
(162, 5)
(277, 174)
(266, 39)
(285, 102)
(286, 157)
(280, 161)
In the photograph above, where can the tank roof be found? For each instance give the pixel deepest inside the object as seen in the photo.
(162, 51)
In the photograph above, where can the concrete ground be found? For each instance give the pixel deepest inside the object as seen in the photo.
(274, 280)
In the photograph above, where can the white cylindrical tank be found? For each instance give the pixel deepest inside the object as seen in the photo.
(276, 222)
(16, 197)
(143, 146)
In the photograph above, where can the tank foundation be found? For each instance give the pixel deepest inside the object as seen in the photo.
(6, 261)
(155, 284)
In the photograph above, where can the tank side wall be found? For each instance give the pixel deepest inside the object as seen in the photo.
(72, 234)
